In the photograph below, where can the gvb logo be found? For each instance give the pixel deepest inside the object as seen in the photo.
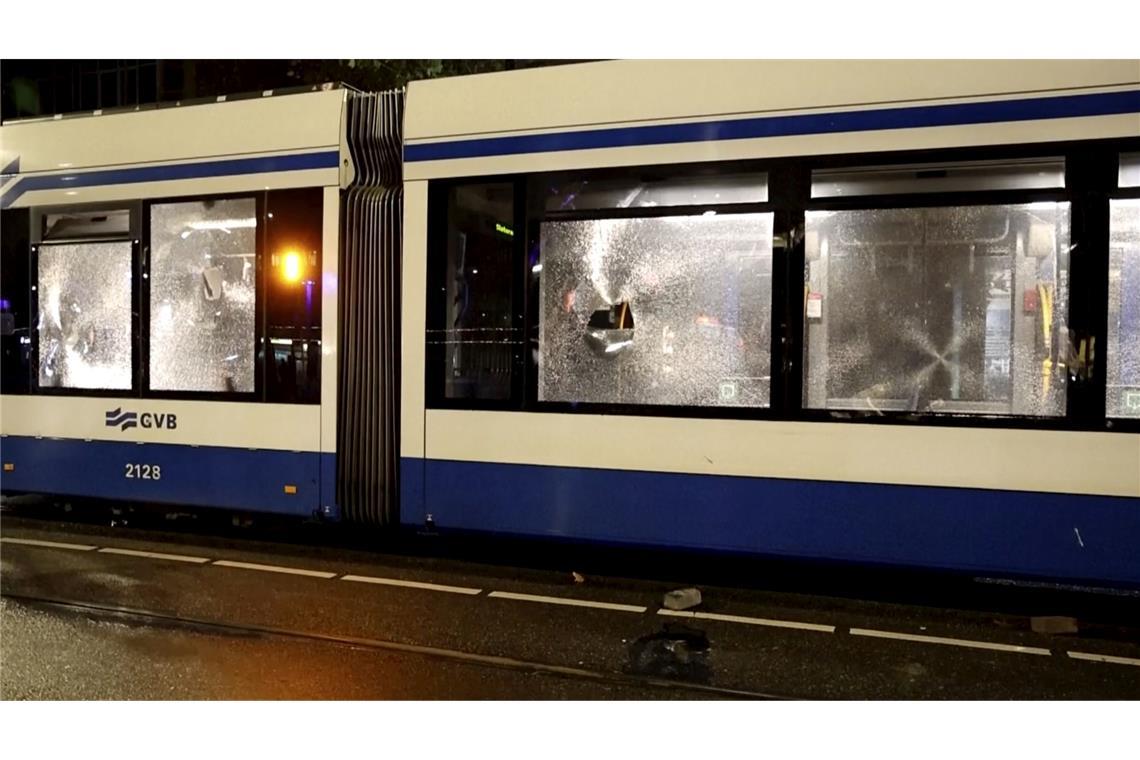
(149, 420)
(123, 420)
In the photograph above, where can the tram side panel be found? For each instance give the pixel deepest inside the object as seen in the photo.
(202, 368)
(586, 367)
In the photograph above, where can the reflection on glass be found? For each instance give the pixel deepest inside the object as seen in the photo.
(958, 310)
(576, 194)
(667, 311)
(202, 287)
(294, 371)
(104, 223)
(84, 327)
(292, 296)
(1036, 173)
(1129, 175)
(479, 336)
(1124, 309)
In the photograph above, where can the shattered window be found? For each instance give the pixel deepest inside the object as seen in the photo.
(202, 295)
(665, 311)
(958, 310)
(1124, 309)
(84, 327)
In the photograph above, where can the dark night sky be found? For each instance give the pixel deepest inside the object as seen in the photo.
(43, 87)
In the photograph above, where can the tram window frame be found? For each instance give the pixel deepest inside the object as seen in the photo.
(258, 392)
(1087, 179)
(38, 226)
(139, 237)
(908, 207)
(941, 199)
(775, 203)
(1086, 189)
(438, 232)
(283, 242)
(264, 333)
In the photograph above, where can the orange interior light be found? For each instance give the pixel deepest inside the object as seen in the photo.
(291, 267)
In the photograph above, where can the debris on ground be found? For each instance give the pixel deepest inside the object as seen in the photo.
(1053, 624)
(682, 598)
(675, 652)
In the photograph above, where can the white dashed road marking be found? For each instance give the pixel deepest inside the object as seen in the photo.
(951, 642)
(567, 602)
(48, 544)
(749, 620)
(274, 569)
(154, 555)
(1104, 658)
(413, 584)
(570, 602)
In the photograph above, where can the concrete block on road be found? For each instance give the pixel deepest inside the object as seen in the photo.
(682, 598)
(1053, 624)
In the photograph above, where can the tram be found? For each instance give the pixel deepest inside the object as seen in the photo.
(877, 312)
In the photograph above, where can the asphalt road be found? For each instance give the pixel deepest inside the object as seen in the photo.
(56, 653)
(96, 613)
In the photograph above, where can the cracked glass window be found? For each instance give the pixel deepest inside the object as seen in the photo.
(957, 310)
(84, 327)
(202, 295)
(665, 311)
(1124, 309)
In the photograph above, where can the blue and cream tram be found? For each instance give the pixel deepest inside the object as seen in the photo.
(875, 312)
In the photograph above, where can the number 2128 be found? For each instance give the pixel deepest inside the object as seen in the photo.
(144, 471)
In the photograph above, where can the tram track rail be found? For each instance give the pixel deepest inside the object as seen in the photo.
(155, 619)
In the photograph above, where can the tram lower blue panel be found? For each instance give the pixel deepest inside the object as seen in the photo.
(330, 509)
(1056, 536)
(211, 476)
(412, 508)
